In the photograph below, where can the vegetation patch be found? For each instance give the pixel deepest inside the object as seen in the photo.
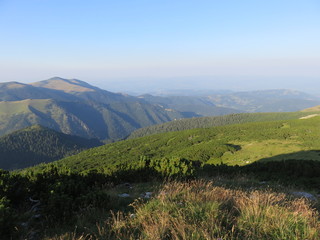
(201, 210)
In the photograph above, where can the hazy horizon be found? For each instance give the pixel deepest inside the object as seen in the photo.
(187, 84)
(144, 46)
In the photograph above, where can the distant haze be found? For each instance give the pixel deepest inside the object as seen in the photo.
(144, 46)
(137, 86)
(150, 85)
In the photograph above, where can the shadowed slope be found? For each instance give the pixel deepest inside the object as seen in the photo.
(36, 144)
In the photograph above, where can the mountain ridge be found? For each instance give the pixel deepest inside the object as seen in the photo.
(75, 107)
(62, 105)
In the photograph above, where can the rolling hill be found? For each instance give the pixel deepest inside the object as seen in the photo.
(36, 144)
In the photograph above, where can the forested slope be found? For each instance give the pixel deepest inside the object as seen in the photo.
(234, 144)
(37, 144)
(206, 122)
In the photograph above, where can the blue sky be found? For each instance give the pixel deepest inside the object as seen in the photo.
(135, 44)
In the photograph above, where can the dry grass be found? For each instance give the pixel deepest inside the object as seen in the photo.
(199, 210)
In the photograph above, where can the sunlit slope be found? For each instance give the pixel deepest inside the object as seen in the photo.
(312, 109)
(16, 115)
(234, 144)
(206, 122)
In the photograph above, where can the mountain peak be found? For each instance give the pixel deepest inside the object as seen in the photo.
(66, 85)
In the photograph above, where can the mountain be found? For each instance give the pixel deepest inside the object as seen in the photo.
(189, 104)
(279, 100)
(81, 90)
(207, 122)
(224, 102)
(91, 120)
(189, 92)
(74, 107)
(36, 144)
(15, 91)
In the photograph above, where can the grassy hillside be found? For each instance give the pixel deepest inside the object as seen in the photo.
(312, 109)
(36, 144)
(206, 122)
(239, 144)
(115, 191)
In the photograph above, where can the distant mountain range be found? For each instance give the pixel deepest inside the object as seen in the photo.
(36, 144)
(277, 100)
(75, 107)
(201, 106)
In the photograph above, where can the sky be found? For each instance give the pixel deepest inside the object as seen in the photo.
(145, 45)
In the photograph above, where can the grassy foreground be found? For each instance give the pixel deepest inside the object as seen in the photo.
(200, 209)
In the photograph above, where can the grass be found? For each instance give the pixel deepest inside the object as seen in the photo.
(16, 107)
(257, 150)
(200, 209)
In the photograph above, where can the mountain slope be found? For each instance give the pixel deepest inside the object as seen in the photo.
(234, 144)
(198, 105)
(91, 120)
(77, 108)
(81, 90)
(15, 91)
(312, 109)
(206, 122)
(36, 144)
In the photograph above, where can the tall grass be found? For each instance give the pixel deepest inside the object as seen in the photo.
(199, 210)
